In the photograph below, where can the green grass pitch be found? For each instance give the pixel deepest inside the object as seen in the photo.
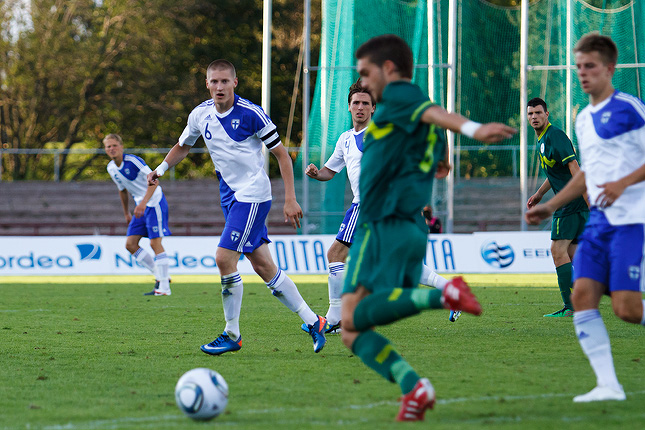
(94, 353)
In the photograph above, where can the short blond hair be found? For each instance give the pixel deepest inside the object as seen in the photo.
(113, 136)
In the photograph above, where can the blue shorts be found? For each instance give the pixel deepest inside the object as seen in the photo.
(153, 223)
(245, 228)
(611, 254)
(348, 226)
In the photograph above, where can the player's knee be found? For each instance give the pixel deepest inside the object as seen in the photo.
(132, 247)
(628, 312)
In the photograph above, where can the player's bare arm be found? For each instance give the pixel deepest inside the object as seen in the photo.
(537, 197)
(612, 190)
(323, 174)
(574, 188)
(174, 156)
(125, 198)
(292, 211)
(141, 207)
(574, 168)
(490, 132)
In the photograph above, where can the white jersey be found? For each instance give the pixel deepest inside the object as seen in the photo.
(132, 175)
(348, 153)
(611, 138)
(234, 139)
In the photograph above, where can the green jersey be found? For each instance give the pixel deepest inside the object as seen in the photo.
(399, 156)
(555, 151)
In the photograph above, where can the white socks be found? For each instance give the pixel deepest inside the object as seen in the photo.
(232, 291)
(430, 278)
(161, 268)
(335, 288)
(286, 291)
(144, 259)
(594, 340)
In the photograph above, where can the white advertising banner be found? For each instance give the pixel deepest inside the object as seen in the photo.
(489, 252)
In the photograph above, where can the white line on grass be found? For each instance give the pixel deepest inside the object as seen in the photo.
(154, 421)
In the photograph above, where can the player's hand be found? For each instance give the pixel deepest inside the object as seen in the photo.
(311, 171)
(427, 214)
(533, 200)
(292, 213)
(443, 168)
(153, 178)
(494, 132)
(537, 213)
(611, 191)
(139, 211)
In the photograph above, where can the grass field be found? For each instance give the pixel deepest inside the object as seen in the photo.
(94, 353)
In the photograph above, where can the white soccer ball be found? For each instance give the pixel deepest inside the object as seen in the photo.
(201, 393)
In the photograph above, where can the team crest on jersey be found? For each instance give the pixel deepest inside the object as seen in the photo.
(542, 148)
(235, 236)
(605, 117)
(235, 123)
(342, 228)
(127, 171)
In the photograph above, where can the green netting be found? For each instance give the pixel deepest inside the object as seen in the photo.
(488, 74)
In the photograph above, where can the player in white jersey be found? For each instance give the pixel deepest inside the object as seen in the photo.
(150, 220)
(348, 153)
(234, 130)
(610, 256)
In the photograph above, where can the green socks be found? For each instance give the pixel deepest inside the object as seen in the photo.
(565, 283)
(389, 306)
(379, 355)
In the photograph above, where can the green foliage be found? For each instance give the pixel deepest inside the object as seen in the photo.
(92, 352)
(74, 71)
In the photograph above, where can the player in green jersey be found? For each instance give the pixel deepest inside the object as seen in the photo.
(401, 155)
(559, 163)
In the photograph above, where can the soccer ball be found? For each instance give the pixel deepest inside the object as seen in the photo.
(202, 394)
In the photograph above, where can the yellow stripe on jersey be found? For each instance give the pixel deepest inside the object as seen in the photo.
(379, 132)
(418, 111)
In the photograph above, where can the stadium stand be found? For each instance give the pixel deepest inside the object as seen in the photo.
(35, 208)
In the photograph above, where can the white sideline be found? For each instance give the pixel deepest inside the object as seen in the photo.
(154, 421)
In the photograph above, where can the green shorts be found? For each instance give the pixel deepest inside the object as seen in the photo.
(569, 227)
(386, 254)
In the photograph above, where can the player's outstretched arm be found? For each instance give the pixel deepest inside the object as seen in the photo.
(292, 210)
(490, 132)
(323, 174)
(174, 156)
(574, 188)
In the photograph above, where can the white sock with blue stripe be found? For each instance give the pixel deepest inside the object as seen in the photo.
(283, 288)
(594, 340)
(145, 259)
(232, 291)
(161, 263)
(335, 288)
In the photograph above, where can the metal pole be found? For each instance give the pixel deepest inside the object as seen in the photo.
(266, 57)
(450, 107)
(569, 111)
(266, 69)
(305, 115)
(431, 49)
(524, 38)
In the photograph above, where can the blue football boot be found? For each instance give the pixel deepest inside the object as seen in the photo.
(222, 344)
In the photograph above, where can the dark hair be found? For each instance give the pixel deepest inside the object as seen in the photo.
(379, 49)
(221, 64)
(534, 102)
(596, 42)
(357, 87)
